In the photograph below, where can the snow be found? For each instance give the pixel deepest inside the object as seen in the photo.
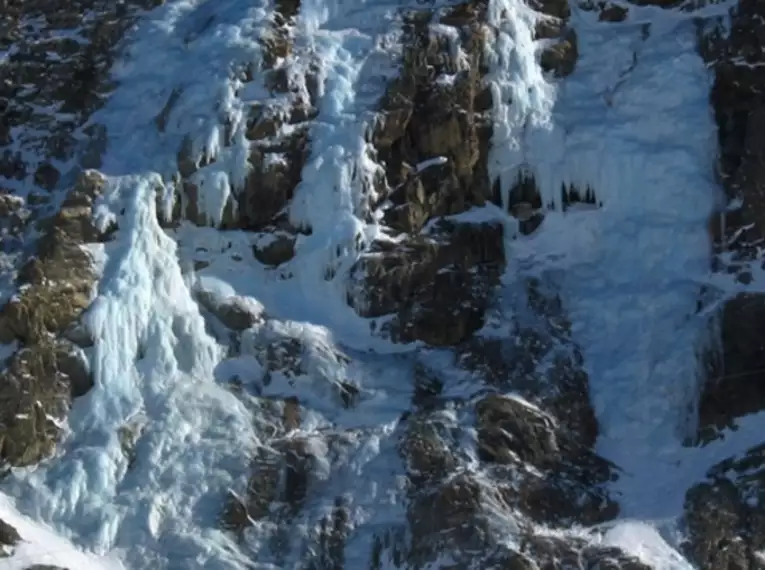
(41, 545)
(645, 543)
(632, 123)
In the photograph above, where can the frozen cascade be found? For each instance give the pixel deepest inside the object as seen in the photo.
(523, 98)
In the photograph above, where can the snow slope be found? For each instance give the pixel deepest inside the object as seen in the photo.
(640, 135)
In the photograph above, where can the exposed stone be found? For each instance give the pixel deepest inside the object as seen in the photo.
(46, 176)
(9, 536)
(511, 432)
(236, 313)
(276, 172)
(437, 286)
(275, 248)
(734, 386)
(724, 516)
(33, 397)
(60, 279)
(561, 57)
(422, 118)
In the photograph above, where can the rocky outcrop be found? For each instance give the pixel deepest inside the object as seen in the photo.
(567, 488)
(61, 63)
(52, 80)
(41, 378)
(9, 537)
(724, 516)
(437, 108)
(277, 135)
(736, 375)
(436, 286)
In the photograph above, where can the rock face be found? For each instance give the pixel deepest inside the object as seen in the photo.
(52, 80)
(277, 135)
(434, 280)
(736, 380)
(424, 116)
(9, 537)
(724, 515)
(437, 286)
(43, 376)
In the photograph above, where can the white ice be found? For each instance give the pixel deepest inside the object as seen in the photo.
(41, 545)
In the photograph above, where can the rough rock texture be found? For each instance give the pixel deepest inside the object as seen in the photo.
(437, 286)
(277, 130)
(423, 118)
(724, 515)
(46, 373)
(437, 282)
(41, 378)
(9, 537)
(52, 80)
(61, 59)
(736, 376)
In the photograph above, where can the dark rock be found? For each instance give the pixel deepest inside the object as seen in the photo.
(236, 313)
(735, 385)
(438, 288)
(422, 118)
(276, 172)
(511, 432)
(9, 536)
(561, 57)
(46, 176)
(724, 516)
(277, 248)
(33, 395)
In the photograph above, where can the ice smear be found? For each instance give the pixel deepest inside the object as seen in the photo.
(338, 179)
(634, 124)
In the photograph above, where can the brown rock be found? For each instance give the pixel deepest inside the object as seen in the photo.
(438, 288)
(237, 313)
(275, 248)
(33, 395)
(561, 57)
